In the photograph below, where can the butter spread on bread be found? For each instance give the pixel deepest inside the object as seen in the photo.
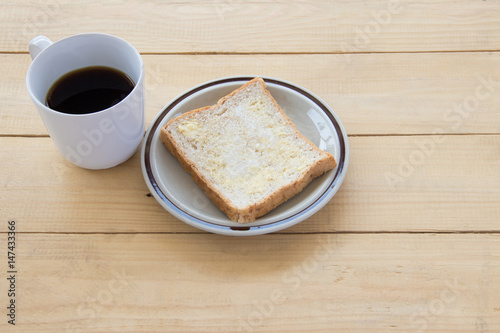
(245, 153)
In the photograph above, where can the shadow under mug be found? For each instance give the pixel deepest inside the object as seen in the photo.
(98, 140)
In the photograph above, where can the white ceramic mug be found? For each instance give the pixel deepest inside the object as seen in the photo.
(96, 140)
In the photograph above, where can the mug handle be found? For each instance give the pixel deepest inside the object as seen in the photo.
(37, 45)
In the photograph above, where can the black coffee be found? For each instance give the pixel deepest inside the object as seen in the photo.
(88, 90)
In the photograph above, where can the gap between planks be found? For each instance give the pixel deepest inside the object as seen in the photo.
(35, 136)
(447, 232)
(209, 53)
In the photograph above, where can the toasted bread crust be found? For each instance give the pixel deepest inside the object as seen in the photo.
(259, 208)
(215, 195)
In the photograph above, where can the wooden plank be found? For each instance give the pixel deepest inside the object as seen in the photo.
(414, 183)
(371, 93)
(273, 283)
(256, 26)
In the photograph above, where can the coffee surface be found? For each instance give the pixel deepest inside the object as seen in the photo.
(88, 90)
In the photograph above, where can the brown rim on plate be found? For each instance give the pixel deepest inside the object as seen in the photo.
(219, 228)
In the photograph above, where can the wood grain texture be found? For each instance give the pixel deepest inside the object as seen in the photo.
(273, 283)
(372, 94)
(403, 184)
(410, 243)
(262, 26)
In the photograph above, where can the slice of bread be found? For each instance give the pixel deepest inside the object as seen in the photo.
(244, 152)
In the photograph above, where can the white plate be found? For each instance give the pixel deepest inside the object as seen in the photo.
(176, 191)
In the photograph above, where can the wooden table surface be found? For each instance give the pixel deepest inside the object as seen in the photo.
(410, 243)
